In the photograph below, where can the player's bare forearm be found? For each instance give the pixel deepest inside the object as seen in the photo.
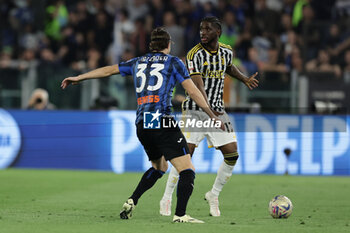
(198, 81)
(197, 96)
(250, 82)
(234, 72)
(100, 72)
(94, 74)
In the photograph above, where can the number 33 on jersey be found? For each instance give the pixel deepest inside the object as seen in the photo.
(155, 75)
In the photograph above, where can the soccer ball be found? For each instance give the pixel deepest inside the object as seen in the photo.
(280, 207)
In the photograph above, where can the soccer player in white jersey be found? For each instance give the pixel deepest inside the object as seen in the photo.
(207, 63)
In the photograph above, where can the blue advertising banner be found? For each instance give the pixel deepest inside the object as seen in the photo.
(98, 140)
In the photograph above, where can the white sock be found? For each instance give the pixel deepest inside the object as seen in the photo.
(223, 175)
(171, 183)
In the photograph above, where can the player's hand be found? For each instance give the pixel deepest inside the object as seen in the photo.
(217, 113)
(70, 80)
(252, 82)
(222, 126)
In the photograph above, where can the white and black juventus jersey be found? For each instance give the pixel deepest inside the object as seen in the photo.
(211, 66)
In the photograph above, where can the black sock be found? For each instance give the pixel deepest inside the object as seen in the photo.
(148, 179)
(184, 191)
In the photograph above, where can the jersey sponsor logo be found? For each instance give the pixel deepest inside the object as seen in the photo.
(148, 99)
(213, 74)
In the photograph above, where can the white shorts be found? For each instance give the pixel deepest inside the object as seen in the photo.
(215, 138)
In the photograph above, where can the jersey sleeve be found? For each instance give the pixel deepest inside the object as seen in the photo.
(230, 57)
(193, 63)
(125, 68)
(181, 73)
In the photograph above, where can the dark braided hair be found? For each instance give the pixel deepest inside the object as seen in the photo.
(214, 21)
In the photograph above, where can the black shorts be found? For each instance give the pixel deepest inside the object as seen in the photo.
(169, 142)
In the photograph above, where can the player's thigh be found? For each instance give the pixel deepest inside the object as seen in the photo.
(194, 137)
(192, 134)
(226, 139)
(191, 148)
(148, 139)
(160, 164)
(172, 143)
(182, 163)
(219, 139)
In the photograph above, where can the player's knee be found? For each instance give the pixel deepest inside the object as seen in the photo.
(160, 164)
(191, 148)
(190, 167)
(231, 158)
(182, 163)
(153, 173)
(164, 167)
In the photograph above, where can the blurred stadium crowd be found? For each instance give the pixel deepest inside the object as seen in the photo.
(266, 35)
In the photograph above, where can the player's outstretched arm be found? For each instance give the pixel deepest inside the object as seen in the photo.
(250, 82)
(97, 73)
(197, 96)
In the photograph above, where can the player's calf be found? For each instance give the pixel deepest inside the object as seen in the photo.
(184, 191)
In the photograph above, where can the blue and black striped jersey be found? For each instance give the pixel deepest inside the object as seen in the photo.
(155, 75)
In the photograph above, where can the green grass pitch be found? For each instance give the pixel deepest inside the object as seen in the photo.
(42, 201)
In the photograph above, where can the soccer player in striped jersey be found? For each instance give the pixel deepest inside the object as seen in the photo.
(208, 62)
(155, 75)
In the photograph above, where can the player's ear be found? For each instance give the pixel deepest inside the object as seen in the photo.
(218, 32)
